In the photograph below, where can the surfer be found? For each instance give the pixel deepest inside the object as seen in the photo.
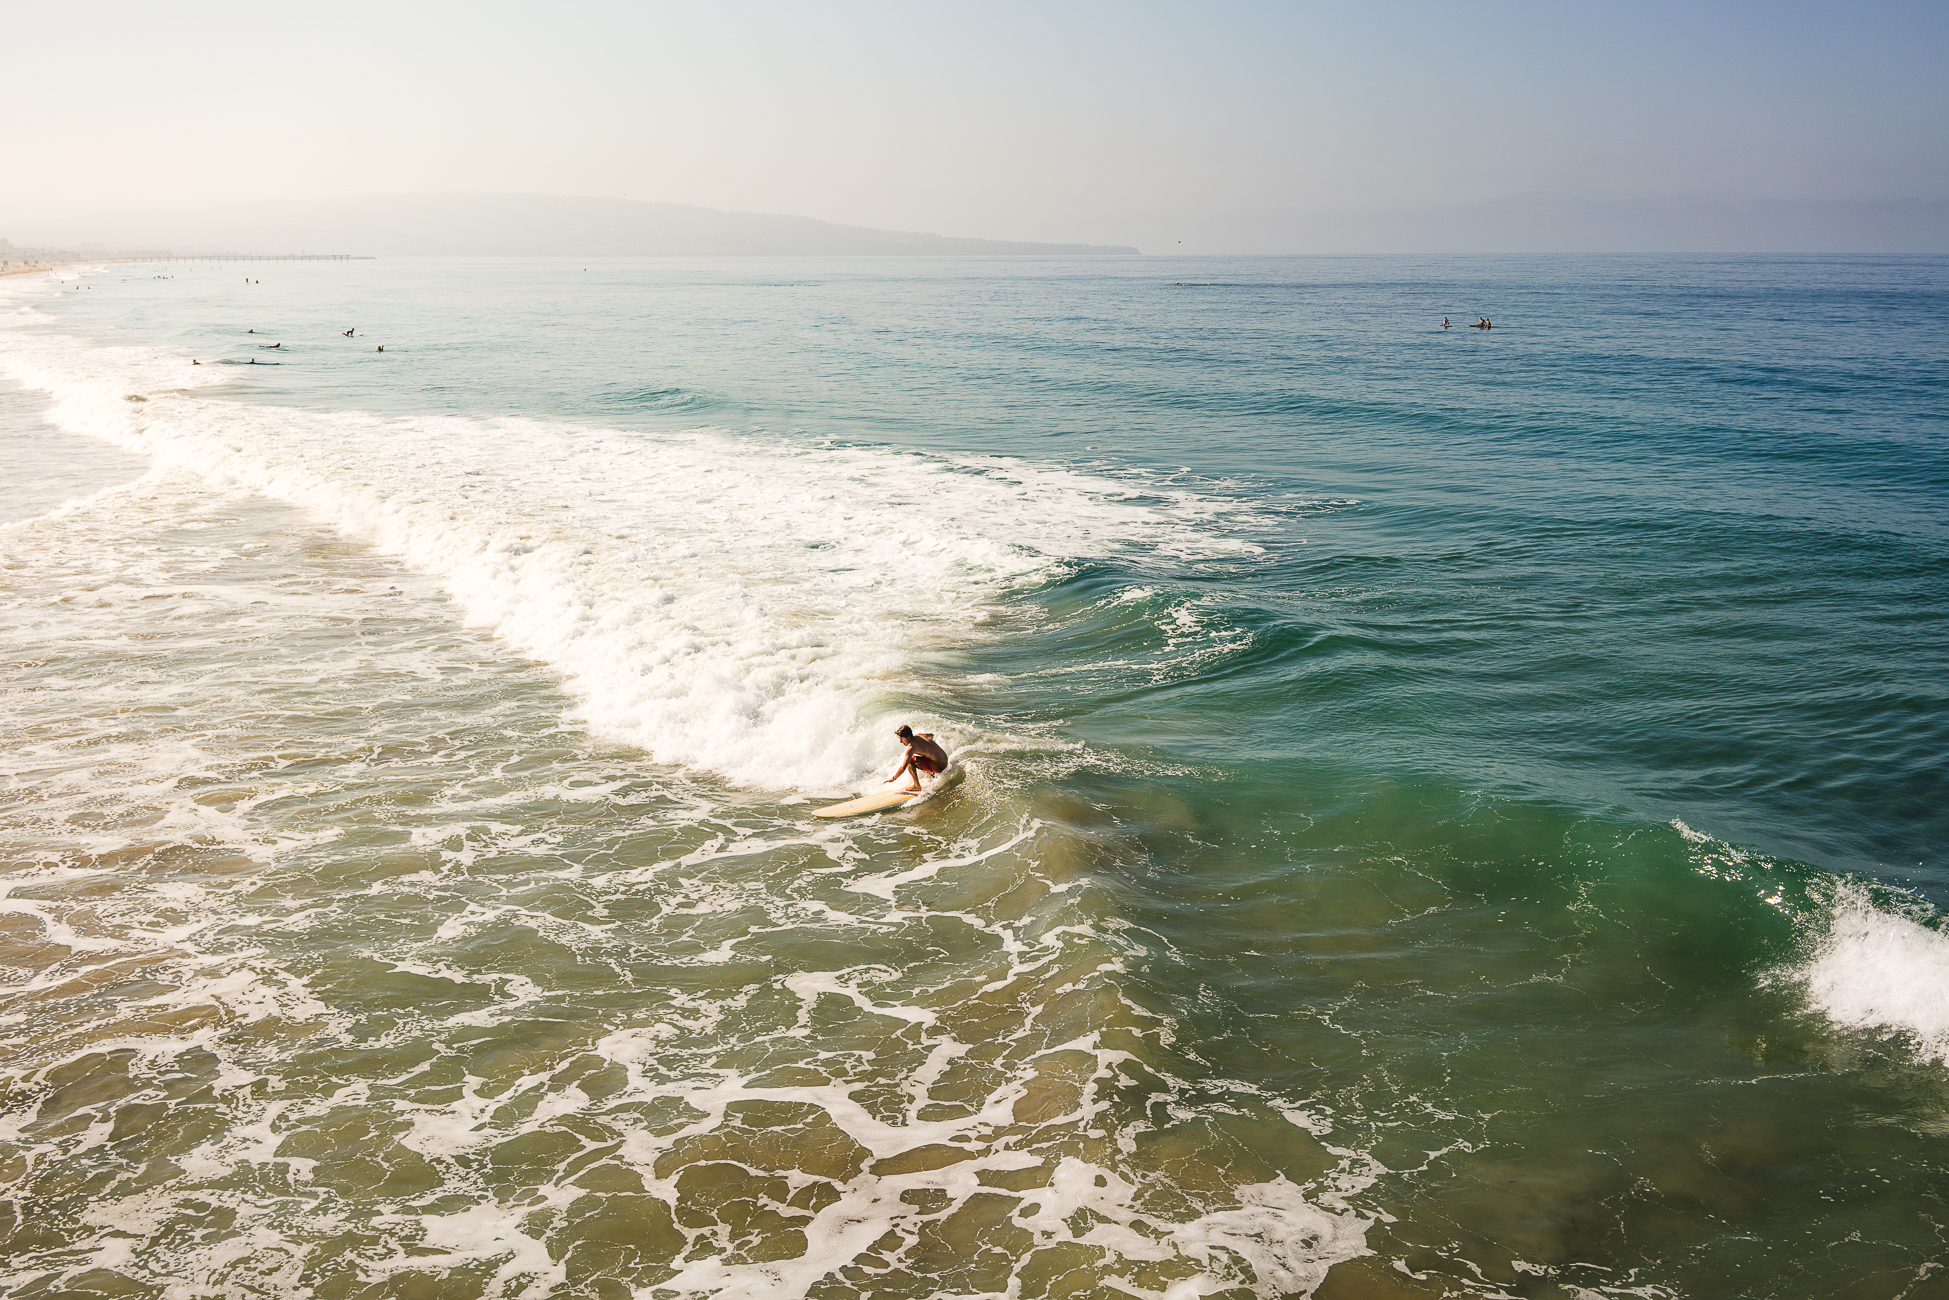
(923, 755)
(1445, 324)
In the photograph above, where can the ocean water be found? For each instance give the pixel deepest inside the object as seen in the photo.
(1441, 813)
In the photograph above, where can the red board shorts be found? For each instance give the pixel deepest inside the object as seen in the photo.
(927, 763)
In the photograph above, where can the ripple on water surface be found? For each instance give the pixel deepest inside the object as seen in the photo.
(337, 959)
(1300, 926)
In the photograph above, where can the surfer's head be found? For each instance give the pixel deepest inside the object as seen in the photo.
(905, 733)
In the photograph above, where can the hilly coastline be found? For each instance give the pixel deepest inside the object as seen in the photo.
(532, 225)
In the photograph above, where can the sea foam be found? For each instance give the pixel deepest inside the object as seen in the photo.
(751, 605)
(1874, 967)
(1880, 971)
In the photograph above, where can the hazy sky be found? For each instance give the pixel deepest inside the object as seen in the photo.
(1129, 123)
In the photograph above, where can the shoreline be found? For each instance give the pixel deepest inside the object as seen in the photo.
(38, 268)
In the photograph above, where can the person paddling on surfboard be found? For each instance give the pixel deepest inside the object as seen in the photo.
(923, 755)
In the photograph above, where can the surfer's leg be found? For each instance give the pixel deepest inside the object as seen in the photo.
(923, 764)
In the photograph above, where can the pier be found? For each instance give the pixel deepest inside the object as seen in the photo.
(271, 257)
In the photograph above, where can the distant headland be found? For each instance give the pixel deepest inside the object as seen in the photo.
(535, 225)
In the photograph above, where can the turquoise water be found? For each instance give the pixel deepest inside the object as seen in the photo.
(1445, 812)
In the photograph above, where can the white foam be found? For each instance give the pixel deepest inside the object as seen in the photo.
(742, 604)
(1879, 964)
(700, 635)
(1289, 1242)
(489, 1233)
(1880, 971)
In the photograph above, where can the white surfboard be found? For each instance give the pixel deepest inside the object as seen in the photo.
(891, 797)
